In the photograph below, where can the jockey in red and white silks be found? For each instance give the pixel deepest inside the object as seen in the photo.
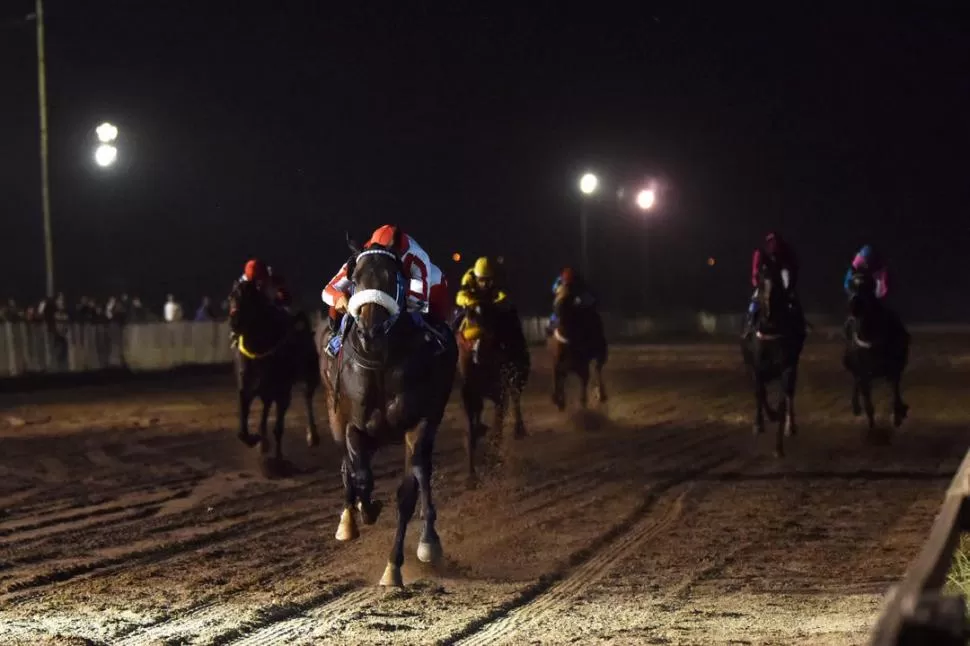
(427, 287)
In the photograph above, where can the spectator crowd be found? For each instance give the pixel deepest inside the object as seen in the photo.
(122, 309)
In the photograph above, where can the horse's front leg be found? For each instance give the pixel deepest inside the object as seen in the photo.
(856, 402)
(789, 381)
(264, 424)
(347, 529)
(865, 389)
(515, 393)
(600, 388)
(360, 450)
(760, 397)
(245, 403)
(473, 412)
(407, 498)
(583, 372)
(312, 437)
(429, 545)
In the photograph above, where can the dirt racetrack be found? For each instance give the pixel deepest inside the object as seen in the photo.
(131, 515)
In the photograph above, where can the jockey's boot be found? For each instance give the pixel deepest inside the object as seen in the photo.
(337, 340)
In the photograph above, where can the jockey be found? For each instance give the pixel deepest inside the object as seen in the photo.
(777, 253)
(869, 261)
(427, 297)
(569, 283)
(478, 285)
(257, 274)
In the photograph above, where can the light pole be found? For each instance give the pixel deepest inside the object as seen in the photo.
(45, 194)
(588, 184)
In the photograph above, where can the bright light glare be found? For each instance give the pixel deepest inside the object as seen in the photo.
(106, 133)
(646, 199)
(588, 183)
(105, 155)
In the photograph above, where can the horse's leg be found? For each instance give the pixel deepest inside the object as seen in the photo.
(359, 450)
(600, 386)
(282, 405)
(789, 381)
(407, 498)
(900, 408)
(347, 529)
(313, 380)
(515, 392)
(559, 386)
(865, 388)
(245, 403)
(473, 411)
(760, 397)
(429, 545)
(856, 404)
(583, 371)
(501, 409)
(264, 424)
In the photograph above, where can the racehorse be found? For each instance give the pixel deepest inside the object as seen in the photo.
(272, 351)
(877, 345)
(772, 351)
(493, 360)
(578, 340)
(387, 384)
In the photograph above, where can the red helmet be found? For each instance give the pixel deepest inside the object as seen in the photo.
(568, 276)
(385, 237)
(256, 270)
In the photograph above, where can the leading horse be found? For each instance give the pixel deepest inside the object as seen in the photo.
(772, 351)
(387, 384)
(493, 360)
(877, 345)
(273, 350)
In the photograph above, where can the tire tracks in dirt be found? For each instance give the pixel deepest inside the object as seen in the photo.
(586, 566)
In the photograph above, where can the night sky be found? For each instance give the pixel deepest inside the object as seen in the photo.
(272, 128)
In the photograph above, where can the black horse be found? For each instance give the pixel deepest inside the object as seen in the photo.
(772, 351)
(877, 346)
(578, 340)
(273, 350)
(493, 359)
(387, 384)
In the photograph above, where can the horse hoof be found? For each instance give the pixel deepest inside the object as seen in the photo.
(347, 530)
(392, 577)
(370, 512)
(312, 439)
(430, 552)
(249, 440)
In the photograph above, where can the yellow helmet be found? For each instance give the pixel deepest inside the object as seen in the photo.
(483, 268)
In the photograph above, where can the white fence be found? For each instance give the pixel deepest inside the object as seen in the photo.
(27, 348)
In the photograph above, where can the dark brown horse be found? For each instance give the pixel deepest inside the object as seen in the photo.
(388, 384)
(772, 352)
(493, 360)
(273, 351)
(877, 346)
(577, 341)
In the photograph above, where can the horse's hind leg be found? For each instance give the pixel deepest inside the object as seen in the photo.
(282, 405)
(429, 545)
(312, 437)
(264, 424)
(600, 388)
(900, 408)
(789, 381)
(759, 398)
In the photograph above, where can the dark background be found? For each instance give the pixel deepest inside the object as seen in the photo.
(271, 128)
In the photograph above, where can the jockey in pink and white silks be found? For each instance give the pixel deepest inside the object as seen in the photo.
(427, 294)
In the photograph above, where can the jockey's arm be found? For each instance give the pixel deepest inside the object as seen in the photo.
(466, 298)
(882, 282)
(847, 283)
(417, 268)
(335, 294)
(755, 267)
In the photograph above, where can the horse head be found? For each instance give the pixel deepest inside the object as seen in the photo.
(379, 297)
(253, 316)
(863, 309)
(773, 299)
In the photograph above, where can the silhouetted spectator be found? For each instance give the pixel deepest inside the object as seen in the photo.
(85, 312)
(138, 313)
(206, 311)
(11, 313)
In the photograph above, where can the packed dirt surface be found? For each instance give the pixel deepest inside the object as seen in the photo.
(132, 515)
